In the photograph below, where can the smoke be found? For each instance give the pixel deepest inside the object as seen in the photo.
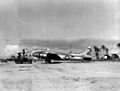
(10, 50)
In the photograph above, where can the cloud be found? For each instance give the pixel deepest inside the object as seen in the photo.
(10, 50)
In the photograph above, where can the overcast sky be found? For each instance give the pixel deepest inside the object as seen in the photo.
(59, 19)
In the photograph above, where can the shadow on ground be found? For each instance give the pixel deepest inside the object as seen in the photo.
(53, 63)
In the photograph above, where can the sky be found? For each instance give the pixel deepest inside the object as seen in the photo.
(59, 19)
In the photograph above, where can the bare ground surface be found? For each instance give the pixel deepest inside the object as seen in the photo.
(95, 76)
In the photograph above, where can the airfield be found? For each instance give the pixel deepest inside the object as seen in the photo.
(60, 76)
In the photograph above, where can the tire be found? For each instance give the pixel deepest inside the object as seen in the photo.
(48, 61)
(87, 59)
(21, 62)
(30, 62)
(16, 62)
(106, 57)
(115, 57)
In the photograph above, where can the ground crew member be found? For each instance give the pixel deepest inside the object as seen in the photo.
(19, 55)
(97, 50)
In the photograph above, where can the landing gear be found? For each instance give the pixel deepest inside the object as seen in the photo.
(106, 57)
(115, 57)
(47, 60)
(23, 60)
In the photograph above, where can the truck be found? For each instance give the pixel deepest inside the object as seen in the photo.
(22, 58)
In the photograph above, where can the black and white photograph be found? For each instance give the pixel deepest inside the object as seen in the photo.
(59, 45)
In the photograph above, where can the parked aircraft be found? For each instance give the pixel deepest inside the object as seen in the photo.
(52, 55)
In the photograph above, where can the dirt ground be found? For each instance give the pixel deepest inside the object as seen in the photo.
(94, 76)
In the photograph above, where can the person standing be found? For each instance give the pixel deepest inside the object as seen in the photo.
(97, 50)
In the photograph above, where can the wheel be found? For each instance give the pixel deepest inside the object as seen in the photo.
(16, 62)
(115, 57)
(21, 62)
(30, 62)
(106, 57)
(48, 60)
(87, 58)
